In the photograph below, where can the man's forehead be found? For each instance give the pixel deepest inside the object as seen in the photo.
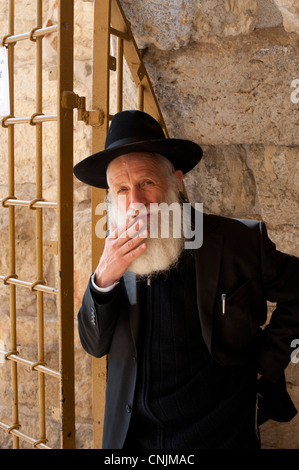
(142, 157)
(134, 162)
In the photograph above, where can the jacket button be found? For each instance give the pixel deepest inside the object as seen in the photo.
(93, 316)
(128, 408)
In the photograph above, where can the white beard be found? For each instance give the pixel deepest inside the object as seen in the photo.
(161, 253)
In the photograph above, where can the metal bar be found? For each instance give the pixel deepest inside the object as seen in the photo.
(35, 205)
(12, 39)
(29, 285)
(120, 52)
(18, 434)
(101, 54)
(65, 223)
(29, 119)
(12, 258)
(47, 30)
(120, 34)
(39, 219)
(25, 362)
(140, 97)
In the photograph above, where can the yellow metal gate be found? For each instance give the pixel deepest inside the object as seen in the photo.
(63, 291)
(116, 58)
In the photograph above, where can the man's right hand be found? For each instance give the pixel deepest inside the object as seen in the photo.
(121, 248)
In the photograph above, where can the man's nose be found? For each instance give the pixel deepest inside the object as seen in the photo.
(136, 196)
(137, 203)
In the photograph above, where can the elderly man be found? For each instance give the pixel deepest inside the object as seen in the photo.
(189, 365)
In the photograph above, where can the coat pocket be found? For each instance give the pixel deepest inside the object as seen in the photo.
(235, 326)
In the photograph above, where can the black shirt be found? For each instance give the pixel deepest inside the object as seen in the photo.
(184, 399)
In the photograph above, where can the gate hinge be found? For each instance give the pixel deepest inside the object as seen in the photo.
(70, 100)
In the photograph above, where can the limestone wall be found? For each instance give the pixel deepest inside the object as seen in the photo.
(223, 73)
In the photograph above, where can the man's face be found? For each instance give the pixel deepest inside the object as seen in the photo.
(138, 182)
(138, 177)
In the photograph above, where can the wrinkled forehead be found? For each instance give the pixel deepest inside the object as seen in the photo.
(134, 164)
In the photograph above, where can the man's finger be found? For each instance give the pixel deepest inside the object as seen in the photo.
(134, 253)
(131, 242)
(119, 230)
(124, 233)
(136, 228)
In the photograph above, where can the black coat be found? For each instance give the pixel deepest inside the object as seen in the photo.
(236, 258)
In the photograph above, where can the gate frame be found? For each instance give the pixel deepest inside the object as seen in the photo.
(110, 21)
(64, 206)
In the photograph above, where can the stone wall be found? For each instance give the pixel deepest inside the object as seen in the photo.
(223, 74)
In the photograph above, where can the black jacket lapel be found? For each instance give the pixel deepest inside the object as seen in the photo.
(131, 288)
(208, 262)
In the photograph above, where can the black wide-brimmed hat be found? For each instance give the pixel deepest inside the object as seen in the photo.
(136, 131)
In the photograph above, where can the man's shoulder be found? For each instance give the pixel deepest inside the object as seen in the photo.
(230, 224)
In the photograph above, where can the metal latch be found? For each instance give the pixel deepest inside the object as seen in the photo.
(70, 100)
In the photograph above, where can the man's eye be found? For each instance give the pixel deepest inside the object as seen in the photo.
(148, 182)
(121, 190)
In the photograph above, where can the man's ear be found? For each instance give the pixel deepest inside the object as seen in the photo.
(179, 177)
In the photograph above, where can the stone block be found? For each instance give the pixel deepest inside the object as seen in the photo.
(276, 435)
(290, 13)
(230, 90)
(269, 15)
